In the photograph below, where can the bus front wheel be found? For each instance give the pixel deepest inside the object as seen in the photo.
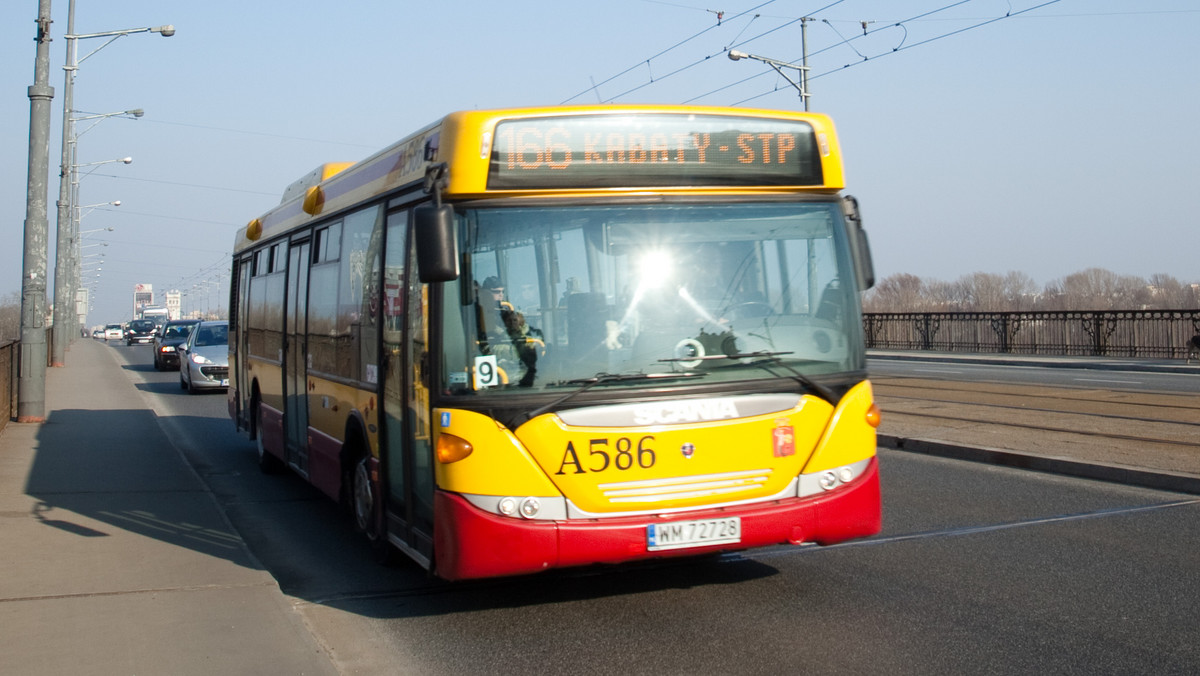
(367, 508)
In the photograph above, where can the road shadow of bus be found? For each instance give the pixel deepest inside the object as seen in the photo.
(308, 543)
(101, 473)
(310, 547)
(113, 472)
(554, 588)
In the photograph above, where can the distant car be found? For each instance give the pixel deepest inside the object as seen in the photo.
(204, 359)
(167, 341)
(98, 334)
(113, 332)
(139, 331)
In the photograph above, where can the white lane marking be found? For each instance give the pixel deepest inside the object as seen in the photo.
(1099, 380)
(970, 530)
(954, 371)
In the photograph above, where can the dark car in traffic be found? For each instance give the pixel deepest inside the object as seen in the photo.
(167, 341)
(139, 331)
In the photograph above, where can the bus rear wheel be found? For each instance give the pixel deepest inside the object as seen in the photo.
(267, 463)
(364, 499)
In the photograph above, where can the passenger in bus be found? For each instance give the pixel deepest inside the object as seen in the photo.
(499, 323)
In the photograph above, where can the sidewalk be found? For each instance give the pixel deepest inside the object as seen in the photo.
(115, 557)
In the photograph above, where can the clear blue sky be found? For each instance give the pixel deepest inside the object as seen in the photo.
(1048, 142)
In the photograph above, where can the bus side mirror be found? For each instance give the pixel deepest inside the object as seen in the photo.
(437, 243)
(863, 264)
(860, 247)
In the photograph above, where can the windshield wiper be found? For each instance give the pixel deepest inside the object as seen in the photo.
(590, 382)
(623, 377)
(736, 355)
(760, 359)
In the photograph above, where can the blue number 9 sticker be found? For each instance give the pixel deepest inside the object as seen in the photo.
(487, 374)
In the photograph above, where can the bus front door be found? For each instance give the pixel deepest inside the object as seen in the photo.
(408, 463)
(295, 384)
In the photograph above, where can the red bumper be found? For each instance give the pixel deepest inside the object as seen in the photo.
(471, 543)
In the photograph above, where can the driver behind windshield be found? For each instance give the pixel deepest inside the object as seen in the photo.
(503, 331)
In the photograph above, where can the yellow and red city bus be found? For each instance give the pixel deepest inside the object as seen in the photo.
(534, 338)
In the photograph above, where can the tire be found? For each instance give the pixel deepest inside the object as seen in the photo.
(364, 499)
(366, 507)
(267, 462)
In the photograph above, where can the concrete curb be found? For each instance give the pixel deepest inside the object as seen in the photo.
(1166, 481)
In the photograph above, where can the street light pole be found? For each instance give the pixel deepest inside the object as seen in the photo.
(62, 289)
(31, 378)
(65, 283)
(75, 271)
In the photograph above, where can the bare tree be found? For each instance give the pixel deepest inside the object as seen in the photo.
(1020, 291)
(1168, 293)
(1091, 289)
(1100, 289)
(900, 292)
(943, 296)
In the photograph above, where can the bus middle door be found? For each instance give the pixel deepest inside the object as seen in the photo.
(295, 367)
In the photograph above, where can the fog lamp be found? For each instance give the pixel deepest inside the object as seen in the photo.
(507, 506)
(530, 507)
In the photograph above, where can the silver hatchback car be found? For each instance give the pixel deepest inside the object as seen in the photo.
(204, 358)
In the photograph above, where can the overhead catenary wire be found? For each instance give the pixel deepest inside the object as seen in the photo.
(917, 17)
(1010, 14)
(646, 61)
(722, 51)
(922, 16)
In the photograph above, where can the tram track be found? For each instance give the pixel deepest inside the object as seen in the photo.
(1155, 430)
(1065, 430)
(1184, 403)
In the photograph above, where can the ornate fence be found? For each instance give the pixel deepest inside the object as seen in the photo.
(1150, 334)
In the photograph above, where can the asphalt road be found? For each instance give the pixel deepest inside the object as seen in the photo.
(979, 569)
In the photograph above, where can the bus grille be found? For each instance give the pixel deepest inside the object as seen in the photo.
(724, 484)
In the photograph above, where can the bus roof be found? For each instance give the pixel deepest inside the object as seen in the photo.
(580, 151)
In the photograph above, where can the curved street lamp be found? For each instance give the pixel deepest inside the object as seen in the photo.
(802, 71)
(67, 179)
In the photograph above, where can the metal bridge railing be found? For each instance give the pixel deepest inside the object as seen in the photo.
(1149, 334)
(8, 381)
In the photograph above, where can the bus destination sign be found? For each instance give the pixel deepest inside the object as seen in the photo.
(618, 151)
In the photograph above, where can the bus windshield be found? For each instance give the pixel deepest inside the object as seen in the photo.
(559, 296)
